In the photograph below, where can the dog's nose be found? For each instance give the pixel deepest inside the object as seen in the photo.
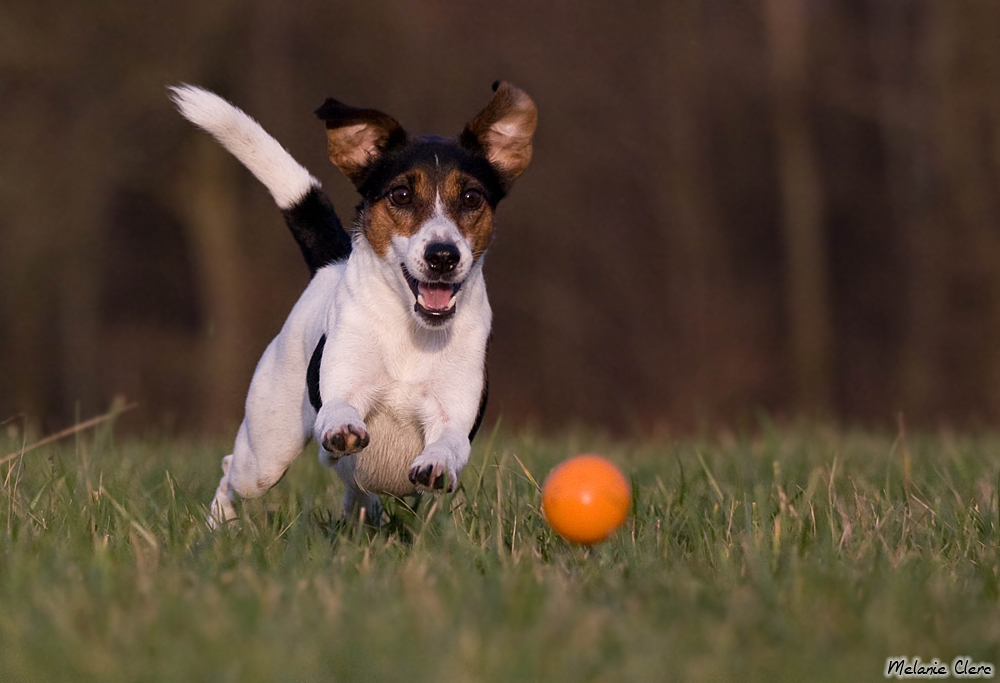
(442, 257)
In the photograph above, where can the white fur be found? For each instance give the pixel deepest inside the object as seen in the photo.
(284, 178)
(413, 388)
(377, 360)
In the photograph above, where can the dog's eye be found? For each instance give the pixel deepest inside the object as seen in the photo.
(472, 199)
(401, 196)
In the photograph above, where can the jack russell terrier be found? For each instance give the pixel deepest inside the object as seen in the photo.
(383, 358)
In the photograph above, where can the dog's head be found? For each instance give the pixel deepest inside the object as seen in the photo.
(428, 202)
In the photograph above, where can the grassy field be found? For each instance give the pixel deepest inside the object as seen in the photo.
(800, 554)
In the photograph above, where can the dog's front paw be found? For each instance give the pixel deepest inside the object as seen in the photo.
(345, 439)
(436, 469)
(431, 477)
(340, 430)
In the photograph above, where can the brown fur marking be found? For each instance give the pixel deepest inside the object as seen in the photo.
(476, 225)
(350, 148)
(384, 220)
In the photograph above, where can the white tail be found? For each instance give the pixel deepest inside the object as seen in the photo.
(286, 179)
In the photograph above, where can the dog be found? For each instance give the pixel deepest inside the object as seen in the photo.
(383, 358)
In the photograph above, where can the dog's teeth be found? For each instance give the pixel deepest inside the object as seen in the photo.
(420, 300)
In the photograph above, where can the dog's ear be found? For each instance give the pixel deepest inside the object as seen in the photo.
(357, 137)
(503, 131)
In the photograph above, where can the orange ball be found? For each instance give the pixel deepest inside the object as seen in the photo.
(585, 498)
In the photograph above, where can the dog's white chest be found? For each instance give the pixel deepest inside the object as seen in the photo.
(407, 379)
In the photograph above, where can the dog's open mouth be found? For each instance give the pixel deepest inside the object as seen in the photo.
(435, 301)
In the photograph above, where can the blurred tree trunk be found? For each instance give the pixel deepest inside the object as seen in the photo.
(898, 36)
(87, 189)
(26, 294)
(807, 281)
(212, 198)
(79, 309)
(60, 168)
(26, 300)
(689, 231)
(991, 234)
(964, 127)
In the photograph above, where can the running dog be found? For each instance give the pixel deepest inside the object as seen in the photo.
(383, 358)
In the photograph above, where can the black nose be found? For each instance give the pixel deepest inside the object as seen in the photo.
(442, 257)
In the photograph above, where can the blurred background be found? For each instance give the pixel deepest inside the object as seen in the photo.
(787, 206)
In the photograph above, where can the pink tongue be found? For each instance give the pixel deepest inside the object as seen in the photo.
(436, 296)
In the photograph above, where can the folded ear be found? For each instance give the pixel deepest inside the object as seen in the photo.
(357, 137)
(503, 131)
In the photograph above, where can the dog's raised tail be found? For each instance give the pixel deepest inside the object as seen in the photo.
(307, 210)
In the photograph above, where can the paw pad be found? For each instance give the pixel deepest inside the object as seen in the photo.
(346, 439)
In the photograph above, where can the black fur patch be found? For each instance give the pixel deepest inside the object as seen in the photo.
(317, 230)
(312, 374)
(484, 397)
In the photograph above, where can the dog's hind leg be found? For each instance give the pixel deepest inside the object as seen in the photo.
(362, 505)
(276, 427)
(359, 504)
(221, 509)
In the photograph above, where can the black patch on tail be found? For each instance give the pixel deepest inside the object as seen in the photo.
(312, 374)
(316, 228)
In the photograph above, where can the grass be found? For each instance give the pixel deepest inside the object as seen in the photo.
(792, 555)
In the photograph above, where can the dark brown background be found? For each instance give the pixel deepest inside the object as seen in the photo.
(787, 205)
